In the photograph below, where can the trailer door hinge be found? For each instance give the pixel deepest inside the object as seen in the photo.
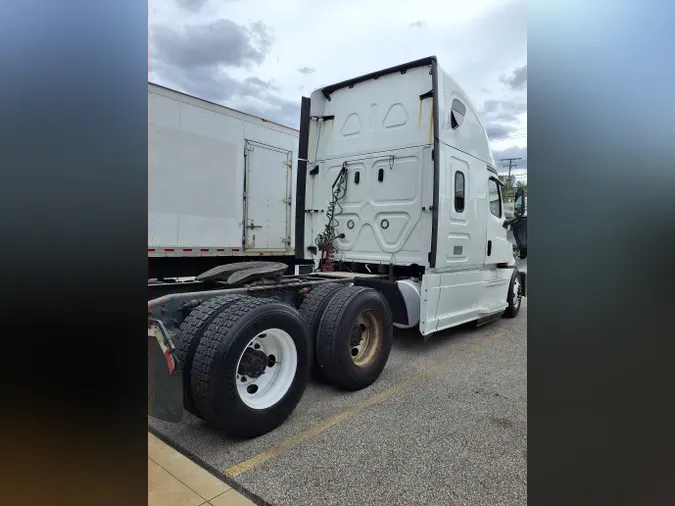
(432, 154)
(286, 201)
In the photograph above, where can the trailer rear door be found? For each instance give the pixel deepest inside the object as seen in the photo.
(267, 199)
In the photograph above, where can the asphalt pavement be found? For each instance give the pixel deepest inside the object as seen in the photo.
(445, 424)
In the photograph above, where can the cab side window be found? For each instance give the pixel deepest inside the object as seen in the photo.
(495, 198)
(457, 113)
(459, 192)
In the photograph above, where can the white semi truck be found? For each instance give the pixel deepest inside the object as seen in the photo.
(400, 211)
(221, 185)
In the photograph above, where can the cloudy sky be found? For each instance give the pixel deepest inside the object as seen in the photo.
(261, 56)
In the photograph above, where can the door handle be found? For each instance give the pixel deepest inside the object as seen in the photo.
(252, 226)
(489, 251)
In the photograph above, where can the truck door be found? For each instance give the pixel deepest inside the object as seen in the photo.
(461, 232)
(498, 248)
(267, 199)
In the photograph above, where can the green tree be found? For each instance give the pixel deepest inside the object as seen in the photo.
(508, 191)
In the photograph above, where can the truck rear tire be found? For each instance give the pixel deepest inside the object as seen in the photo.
(187, 340)
(355, 337)
(251, 367)
(311, 310)
(515, 296)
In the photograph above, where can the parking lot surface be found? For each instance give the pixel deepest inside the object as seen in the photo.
(445, 424)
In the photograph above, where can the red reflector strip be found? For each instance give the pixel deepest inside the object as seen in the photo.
(168, 249)
(220, 249)
(503, 264)
(169, 361)
(151, 249)
(204, 249)
(235, 249)
(187, 249)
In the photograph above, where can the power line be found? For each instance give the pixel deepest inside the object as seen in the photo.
(513, 134)
(522, 164)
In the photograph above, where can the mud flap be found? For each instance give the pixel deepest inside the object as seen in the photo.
(392, 293)
(165, 388)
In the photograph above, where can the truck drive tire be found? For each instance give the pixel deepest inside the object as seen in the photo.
(251, 367)
(354, 338)
(515, 295)
(311, 310)
(187, 339)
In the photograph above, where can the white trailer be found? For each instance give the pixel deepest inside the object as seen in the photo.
(221, 184)
(402, 213)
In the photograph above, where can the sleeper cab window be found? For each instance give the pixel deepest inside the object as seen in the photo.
(457, 113)
(495, 198)
(459, 192)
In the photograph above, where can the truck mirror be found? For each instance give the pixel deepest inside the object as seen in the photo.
(519, 202)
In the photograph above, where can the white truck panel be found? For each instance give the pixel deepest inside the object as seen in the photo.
(196, 178)
(267, 198)
(471, 136)
(384, 132)
(375, 116)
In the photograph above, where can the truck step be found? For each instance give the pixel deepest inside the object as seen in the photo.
(492, 308)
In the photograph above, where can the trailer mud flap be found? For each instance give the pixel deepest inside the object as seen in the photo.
(165, 388)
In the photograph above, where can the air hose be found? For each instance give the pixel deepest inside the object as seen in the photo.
(326, 240)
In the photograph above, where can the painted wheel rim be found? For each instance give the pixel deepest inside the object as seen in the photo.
(366, 338)
(266, 369)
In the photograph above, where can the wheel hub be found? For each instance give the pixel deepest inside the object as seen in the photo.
(266, 369)
(253, 363)
(357, 335)
(364, 338)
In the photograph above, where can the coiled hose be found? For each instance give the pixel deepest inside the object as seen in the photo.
(326, 240)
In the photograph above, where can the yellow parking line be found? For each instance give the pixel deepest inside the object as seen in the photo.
(315, 430)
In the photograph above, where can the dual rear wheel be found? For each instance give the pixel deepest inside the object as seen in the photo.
(352, 331)
(246, 361)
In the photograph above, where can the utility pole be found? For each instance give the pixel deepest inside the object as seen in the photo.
(509, 187)
(511, 164)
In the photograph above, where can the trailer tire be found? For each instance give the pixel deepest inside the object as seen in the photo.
(188, 337)
(221, 381)
(344, 363)
(515, 296)
(311, 310)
